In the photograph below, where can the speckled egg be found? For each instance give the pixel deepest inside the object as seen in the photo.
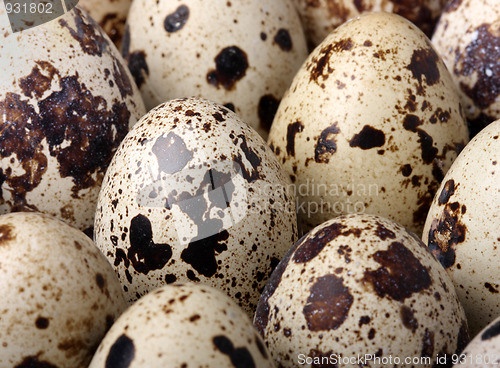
(242, 54)
(484, 350)
(463, 226)
(59, 293)
(468, 39)
(360, 285)
(320, 17)
(189, 325)
(370, 123)
(110, 14)
(66, 102)
(193, 193)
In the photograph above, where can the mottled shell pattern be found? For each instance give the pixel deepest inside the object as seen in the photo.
(463, 226)
(59, 293)
(66, 102)
(360, 285)
(242, 54)
(468, 38)
(371, 123)
(193, 193)
(187, 325)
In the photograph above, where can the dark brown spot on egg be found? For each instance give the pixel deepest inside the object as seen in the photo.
(429, 152)
(177, 20)
(34, 362)
(452, 5)
(384, 233)
(445, 233)
(312, 246)
(112, 24)
(319, 66)
(171, 153)
(6, 233)
(427, 344)
(408, 317)
(326, 144)
(252, 157)
(463, 337)
(401, 274)
(170, 278)
(144, 254)
(268, 105)
(367, 138)
(492, 331)
(37, 83)
(240, 357)
(424, 63)
(42, 323)
(121, 354)
(230, 106)
(138, 67)
(122, 80)
(230, 66)
(490, 288)
(126, 42)
(418, 13)
(100, 281)
(364, 320)
(283, 39)
(447, 191)
(406, 170)
(88, 34)
(292, 131)
(328, 304)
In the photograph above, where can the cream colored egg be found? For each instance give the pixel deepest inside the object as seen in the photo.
(183, 326)
(370, 123)
(360, 290)
(484, 350)
(110, 14)
(193, 193)
(242, 54)
(468, 39)
(463, 226)
(59, 293)
(320, 17)
(66, 101)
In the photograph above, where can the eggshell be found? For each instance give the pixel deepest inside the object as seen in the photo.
(358, 286)
(59, 293)
(468, 38)
(110, 14)
(484, 350)
(66, 101)
(242, 54)
(371, 123)
(320, 17)
(193, 193)
(463, 226)
(183, 326)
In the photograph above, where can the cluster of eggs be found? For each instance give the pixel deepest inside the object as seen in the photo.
(143, 213)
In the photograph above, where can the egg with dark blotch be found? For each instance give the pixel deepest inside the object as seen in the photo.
(320, 17)
(66, 102)
(463, 226)
(111, 15)
(360, 286)
(195, 194)
(483, 350)
(59, 293)
(371, 123)
(242, 54)
(188, 325)
(468, 39)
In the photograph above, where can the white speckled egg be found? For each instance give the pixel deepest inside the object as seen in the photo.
(463, 226)
(193, 193)
(484, 350)
(320, 17)
(242, 54)
(468, 39)
(59, 293)
(187, 325)
(111, 15)
(370, 123)
(66, 101)
(360, 285)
